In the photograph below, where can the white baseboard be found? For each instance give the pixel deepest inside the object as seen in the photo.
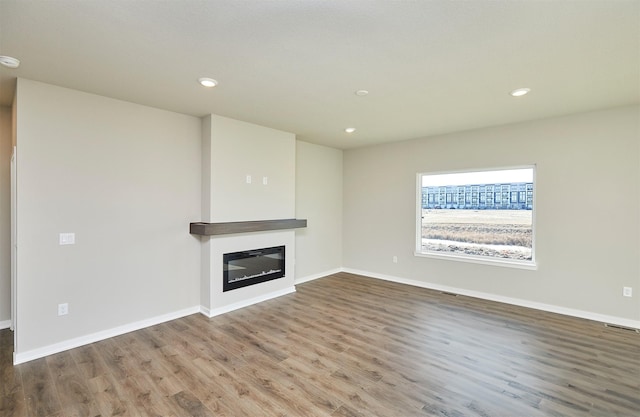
(620, 321)
(5, 324)
(316, 276)
(245, 303)
(30, 355)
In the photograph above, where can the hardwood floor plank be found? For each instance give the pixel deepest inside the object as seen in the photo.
(89, 361)
(115, 359)
(321, 401)
(191, 405)
(280, 393)
(39, 390)
(71, 386)
(13, 404)
(193, 380)
(240, 392)
(346, 411)
(140, 390)
(104, 391)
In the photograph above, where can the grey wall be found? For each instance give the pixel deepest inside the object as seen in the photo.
(319, 200)
(126, 180)
(587, 209)
(5, 216)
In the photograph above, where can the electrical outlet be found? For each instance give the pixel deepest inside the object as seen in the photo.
(627, 291)
(265, 180)
(67, 238)
(395, 259)
(248, 179)
(63, 309)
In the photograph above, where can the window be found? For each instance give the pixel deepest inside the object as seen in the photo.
(493, 220)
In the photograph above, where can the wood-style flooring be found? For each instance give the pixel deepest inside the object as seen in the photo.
(344, 345)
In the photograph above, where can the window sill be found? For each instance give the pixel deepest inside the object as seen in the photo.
(508, 263)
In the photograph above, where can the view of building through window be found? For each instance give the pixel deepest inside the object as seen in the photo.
(478, 214)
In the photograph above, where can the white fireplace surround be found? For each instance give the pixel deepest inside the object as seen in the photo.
(220, 302)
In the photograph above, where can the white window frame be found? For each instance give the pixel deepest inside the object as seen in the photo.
(485, 260)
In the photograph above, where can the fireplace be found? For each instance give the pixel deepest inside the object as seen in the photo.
(226, 288)
(241, 269)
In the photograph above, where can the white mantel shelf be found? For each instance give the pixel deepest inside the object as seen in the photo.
(226, 228)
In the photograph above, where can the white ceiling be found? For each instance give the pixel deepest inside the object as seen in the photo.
(431, 66)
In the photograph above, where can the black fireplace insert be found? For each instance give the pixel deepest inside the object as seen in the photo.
(250, 267)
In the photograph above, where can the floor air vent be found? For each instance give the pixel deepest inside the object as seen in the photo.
(615, 326)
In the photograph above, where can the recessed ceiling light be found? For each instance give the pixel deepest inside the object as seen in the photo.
(520, 92)
(207, 82)
(9, 61)
(362, 93)
(350, 129)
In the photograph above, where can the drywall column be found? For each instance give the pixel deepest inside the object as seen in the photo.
(248, 174)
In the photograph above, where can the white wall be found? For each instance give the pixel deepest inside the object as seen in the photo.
(587, 209)
(239, 149)
(126, 180)
(5, 216)
(319, 200)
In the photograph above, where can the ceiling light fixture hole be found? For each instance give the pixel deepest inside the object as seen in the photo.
(207, 82)
(519, 92)
(9, 61)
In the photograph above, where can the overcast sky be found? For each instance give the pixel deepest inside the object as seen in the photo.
(480, 177)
